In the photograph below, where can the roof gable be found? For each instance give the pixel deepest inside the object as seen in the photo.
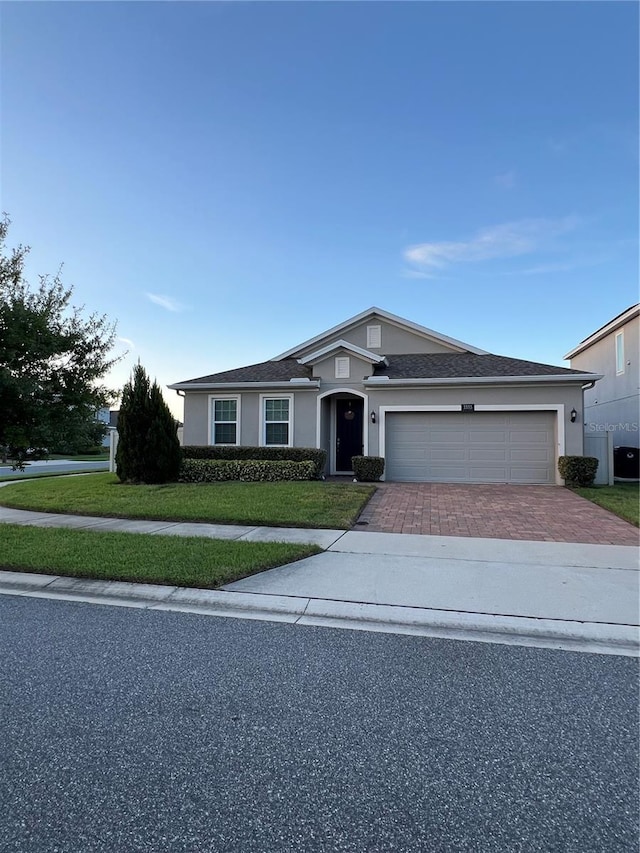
(345, 346)
(374, 314)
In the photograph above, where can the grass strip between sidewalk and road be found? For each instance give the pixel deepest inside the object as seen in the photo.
(140, 558)
(622, 499)
(281, 504)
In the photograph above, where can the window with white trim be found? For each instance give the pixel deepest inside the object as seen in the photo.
(620, 352)
(224, 420)
(374, 337)
(342, 367)
(277, 413)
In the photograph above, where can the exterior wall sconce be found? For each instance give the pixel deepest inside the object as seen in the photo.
(574, 415)
(373, 417)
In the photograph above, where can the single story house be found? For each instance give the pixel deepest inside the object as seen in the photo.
(613, 405)
(437, 409)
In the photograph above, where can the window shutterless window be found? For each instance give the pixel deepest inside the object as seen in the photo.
(620, 352)
(224, 421)
(277, 421)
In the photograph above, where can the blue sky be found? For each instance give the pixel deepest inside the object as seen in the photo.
(228, 179)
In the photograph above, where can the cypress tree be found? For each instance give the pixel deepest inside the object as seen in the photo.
(148, 447)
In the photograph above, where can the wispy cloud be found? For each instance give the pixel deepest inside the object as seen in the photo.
(166, 302)
(498, 241)
(506, 179)
(408, 273)
(127, 342)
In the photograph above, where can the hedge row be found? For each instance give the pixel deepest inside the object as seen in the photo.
(247, 470)
(271, 454)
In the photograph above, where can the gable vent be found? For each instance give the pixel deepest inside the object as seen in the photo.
(374, 337)
(342, 367)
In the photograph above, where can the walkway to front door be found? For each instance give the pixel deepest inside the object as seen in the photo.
(542, 513)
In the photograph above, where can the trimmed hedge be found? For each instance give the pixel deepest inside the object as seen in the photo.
(367, 468)
(578, 470)
(270, 454)
(246, 470)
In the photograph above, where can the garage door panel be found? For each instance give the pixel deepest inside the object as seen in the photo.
(530, 436)
(478, 447)
(438, 436)
(486, 436)
(478, 454)
(533, 454)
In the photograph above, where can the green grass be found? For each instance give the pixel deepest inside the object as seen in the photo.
(623, 499)
(140, 558)
(284, 504)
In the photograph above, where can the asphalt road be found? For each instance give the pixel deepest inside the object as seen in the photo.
(55, 467)
(128, 730)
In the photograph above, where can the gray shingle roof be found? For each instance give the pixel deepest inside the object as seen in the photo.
(265, 371)
(410, 366)
(462, 365)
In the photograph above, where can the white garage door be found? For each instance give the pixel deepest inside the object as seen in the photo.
(475, 447)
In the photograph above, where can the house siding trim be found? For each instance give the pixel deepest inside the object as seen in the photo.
(558, 408)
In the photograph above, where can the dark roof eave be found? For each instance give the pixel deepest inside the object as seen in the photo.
(215, 386)
(555, 378)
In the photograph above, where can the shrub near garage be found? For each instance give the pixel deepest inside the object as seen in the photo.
(250, 470)
(578, 470)
(367, 468)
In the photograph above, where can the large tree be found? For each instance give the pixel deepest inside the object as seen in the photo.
(53, 359)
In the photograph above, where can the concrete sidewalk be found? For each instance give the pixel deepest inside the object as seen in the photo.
(546, 594)
(322, 538)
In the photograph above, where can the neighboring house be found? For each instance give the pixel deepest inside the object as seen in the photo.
(613, 405)
(437, 409)
(103, 416)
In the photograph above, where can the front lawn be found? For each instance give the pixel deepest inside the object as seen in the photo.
(623, 499)
(139, 558)
(284, 504)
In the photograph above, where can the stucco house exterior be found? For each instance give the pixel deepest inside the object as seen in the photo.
(613, 405)
(437, 409)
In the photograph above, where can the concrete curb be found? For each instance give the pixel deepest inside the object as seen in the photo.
(542, 633)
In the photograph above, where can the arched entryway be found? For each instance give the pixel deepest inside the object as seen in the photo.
(343, 427)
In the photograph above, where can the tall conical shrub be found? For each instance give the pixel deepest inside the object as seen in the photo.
(148, 447)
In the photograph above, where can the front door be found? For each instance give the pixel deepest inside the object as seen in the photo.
(348, 432)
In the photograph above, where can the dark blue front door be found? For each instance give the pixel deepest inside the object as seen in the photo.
(348, 432)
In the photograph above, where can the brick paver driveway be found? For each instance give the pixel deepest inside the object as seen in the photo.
(546, 513)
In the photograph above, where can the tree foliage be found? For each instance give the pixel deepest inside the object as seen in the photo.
(148, 447)
(52, 360)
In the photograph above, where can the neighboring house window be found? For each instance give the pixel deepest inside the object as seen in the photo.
(342, 367)
(224, 420)
(374, 337)
(620, 352)
(276, 415)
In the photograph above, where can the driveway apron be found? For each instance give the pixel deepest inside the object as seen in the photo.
(538, 513)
